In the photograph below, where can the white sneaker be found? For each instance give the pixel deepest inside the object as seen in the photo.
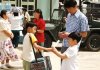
(9, 66)
(4, 67)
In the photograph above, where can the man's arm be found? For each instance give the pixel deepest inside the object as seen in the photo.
(83, 34)
(84, 27)
(65, 34)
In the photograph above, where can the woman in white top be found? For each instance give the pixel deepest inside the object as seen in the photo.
(6, 48)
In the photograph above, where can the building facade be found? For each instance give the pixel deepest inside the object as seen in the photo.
(28, 4)
(46, 6)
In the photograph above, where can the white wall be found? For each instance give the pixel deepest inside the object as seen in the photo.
(93, 0)
(55, 4)
(44, 5)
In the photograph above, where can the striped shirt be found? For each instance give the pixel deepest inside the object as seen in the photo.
(76, 23)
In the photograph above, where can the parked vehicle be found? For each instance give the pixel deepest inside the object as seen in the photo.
(55, 25)
(91, 42)
(93, 15)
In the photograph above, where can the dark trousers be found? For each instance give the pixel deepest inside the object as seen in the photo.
(63, 49)
(15, 40)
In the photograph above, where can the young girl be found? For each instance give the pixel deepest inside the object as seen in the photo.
(28, 54)
(38, 19)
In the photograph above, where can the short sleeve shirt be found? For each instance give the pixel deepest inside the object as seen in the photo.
(76, 23)
(4, 25)
(40, 26)
(71, 62)
(27, 53)
(16, 22)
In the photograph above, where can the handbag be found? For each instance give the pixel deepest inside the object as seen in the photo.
(44, 62)
(38, 63)
(38, 54)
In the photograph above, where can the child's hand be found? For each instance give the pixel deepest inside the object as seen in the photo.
(12, 36)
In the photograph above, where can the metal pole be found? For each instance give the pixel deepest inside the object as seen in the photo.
(35, 4)
(50, 9)
(17, 4)
(80, 5)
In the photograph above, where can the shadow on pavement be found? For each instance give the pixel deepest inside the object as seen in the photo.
(15, 68)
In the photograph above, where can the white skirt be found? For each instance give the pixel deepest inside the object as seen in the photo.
(7, 51)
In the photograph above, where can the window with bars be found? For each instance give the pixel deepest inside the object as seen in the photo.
(24, 6)
(30, 8)
(28, 0)
(31, 0)
(9, 0)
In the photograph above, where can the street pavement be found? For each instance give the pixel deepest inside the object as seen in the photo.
(86, 60)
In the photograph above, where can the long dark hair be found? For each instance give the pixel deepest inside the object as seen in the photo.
(39, 11)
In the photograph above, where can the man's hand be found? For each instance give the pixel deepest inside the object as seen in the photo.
(63, 34)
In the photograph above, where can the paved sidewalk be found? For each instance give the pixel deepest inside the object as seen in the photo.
(55, 61)
(87, 60)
